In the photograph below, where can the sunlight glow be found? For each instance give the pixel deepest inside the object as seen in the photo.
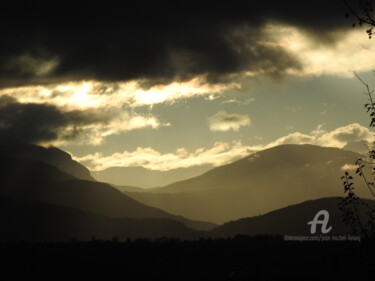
(353, 51)
(95, 94)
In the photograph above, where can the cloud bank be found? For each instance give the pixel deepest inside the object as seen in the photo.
(158, 44)
(104, 95)
(221, 153)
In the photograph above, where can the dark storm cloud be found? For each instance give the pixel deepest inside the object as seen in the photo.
(33, 123)
(157, 44)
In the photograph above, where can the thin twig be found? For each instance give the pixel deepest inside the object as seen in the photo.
(370, 21)
(365, 179)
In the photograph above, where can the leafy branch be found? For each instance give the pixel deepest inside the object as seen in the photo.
(352, 205)
(362, 14)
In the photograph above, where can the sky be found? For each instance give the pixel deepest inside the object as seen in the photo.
(175, 87)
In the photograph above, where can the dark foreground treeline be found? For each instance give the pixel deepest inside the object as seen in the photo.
(239, 258)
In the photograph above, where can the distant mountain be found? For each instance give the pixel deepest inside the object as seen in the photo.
(130, 188)
(262, 182)
(40, 222)
(291, 220)
(51, 155)
(145, 178)
(36, 181)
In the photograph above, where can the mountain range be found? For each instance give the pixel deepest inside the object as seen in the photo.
(257, 184)
(146, 178)
(47, 196)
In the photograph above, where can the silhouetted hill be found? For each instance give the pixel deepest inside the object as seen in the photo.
(51, 155)
(262, 182)
(33, 180)
(145, 178)
(280, 163)
(291, 220)
(18, 171)
(41, 222)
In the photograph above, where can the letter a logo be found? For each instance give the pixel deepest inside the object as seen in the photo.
(323, 222)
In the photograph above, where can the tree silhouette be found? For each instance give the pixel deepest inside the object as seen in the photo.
(357, 212)
(362, 11)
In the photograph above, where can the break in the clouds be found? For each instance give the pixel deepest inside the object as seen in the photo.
(223, 121)
(221, 153)
(160, 45)
(42, 123)
(94, 94)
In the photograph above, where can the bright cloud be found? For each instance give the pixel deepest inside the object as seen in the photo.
(352, 52)
(336, 138)
(221, 153)
(223, 121)
(341, 136)
(178, 90)
(349, 167)
(239, 102)
(95, 134)
(95, 94)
